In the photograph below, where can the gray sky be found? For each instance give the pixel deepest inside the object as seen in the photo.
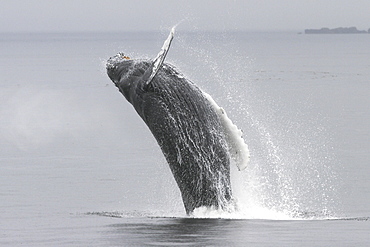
(143, 15)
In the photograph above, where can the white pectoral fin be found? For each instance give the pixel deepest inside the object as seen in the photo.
(237, 147)
(158, 61)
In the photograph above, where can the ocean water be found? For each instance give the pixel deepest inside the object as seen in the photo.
(78, 167)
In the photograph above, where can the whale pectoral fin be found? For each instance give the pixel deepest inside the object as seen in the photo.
(158, 61)
(238, 149)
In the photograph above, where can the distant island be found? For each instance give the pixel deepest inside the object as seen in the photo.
(339, 30)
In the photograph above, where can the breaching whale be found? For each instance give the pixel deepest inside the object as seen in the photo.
(193, 132)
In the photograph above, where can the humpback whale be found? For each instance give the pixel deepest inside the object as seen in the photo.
(193, 132)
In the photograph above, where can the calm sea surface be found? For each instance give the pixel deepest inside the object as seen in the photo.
(78, 167)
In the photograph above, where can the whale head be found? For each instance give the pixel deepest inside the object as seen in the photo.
(129, 76)
(118, 66)
(119, 69)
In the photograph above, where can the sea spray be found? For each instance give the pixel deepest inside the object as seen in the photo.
(288, 175)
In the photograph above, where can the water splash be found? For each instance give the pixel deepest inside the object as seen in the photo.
(289, 175)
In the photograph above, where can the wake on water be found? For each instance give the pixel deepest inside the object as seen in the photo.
(270, 195)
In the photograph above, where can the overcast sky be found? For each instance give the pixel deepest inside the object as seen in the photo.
(144, 15)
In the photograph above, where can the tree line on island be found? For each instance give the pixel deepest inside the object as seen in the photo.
(339, 30)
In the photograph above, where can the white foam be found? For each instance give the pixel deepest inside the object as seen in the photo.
(259, 213)
(237, 147)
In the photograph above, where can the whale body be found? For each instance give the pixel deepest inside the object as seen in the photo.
(185, 123)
